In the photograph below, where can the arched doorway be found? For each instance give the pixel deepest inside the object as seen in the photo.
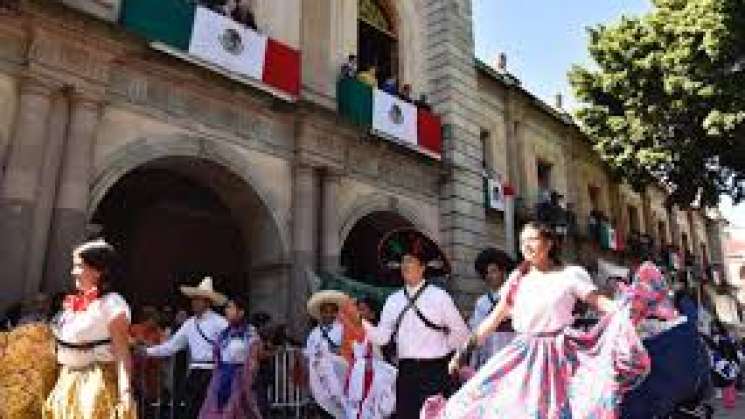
(359, 253)
(178, 219)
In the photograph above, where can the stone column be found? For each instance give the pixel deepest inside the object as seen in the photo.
(18, 186)
(330, 244)
(452, 77)
(304, 216)
(70, 209)
(50, 169)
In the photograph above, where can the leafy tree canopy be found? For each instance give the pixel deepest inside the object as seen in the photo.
(666, 102)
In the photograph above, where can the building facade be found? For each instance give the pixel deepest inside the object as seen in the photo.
(115, 123)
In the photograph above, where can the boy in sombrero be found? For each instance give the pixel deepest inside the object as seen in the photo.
(198, 333)
(326, 369)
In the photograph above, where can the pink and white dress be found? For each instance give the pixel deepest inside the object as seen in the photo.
(549, 370)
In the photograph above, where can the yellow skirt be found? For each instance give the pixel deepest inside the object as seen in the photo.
(87, 393)
(28, 370)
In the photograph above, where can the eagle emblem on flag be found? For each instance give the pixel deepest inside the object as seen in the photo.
(231, 41)
(395, 114)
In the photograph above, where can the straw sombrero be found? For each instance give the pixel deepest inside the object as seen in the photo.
(205, 290)
(325, 297)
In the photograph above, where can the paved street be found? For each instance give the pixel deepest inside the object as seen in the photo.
(737, 413)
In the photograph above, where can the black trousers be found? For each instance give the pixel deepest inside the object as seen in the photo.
(417, 380)
(193, 393)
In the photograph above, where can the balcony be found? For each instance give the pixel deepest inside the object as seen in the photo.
(209, 39)
(389, 117)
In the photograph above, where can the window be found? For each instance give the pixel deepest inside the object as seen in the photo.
(487, 154)
(377, 43)
(661, 233)
(543, 170)
(684, 242)
(633, 219)
(594, 193)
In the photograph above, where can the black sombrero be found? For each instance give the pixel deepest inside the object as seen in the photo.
(409, 241)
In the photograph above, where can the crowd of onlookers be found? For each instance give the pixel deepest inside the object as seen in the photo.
(156, 380)
(389, 84)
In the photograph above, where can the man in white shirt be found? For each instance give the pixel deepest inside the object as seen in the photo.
(198, 334)
(421, 320)
(493, 266)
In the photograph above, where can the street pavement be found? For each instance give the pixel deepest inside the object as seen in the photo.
(737, 413)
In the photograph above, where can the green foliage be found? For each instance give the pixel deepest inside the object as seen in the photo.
(666, 101)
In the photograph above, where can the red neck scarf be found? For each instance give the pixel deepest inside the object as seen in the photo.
(81, 300)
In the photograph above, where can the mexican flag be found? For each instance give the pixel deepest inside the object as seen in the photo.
(394, 117)
(218, 42)
(390, 117)
(609, 239)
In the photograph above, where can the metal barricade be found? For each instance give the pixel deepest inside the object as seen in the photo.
(157, 402)
(287, 396)
(286, 393)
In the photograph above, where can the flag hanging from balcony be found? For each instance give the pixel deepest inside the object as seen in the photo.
(203, 36)
(394, 117)
(608, 237)
(390, 117)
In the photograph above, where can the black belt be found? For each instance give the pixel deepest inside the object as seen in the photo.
(423, 361)
(83, 346)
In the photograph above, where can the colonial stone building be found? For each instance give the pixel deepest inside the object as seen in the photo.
(116, 121)
(190, 170)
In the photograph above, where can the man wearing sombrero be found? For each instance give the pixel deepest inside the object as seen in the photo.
(198, 333)
(421, 320)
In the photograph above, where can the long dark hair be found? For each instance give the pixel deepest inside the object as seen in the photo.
(102, 257)
(548, 233)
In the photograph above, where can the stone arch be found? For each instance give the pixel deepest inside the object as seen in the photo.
(144, 150)
(378, 202)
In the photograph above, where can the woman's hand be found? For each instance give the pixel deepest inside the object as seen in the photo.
(454, 364)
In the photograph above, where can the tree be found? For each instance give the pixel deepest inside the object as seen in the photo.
(666, 103)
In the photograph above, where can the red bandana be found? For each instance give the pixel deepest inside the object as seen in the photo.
(80, 301)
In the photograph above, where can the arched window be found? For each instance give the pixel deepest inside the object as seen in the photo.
(377, 42)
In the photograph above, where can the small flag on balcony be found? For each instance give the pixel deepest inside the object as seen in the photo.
(608, 237)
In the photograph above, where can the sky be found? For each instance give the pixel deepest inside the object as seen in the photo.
(544, 38)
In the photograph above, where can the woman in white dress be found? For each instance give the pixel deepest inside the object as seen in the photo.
(92, 342)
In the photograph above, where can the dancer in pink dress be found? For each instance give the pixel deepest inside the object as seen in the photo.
(549, 371)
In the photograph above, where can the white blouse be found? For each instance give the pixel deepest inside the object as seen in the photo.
(89, 325)
(544, 300)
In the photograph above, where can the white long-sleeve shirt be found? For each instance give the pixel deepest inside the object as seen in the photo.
(317, 342)
(415, 339)
(200, 350)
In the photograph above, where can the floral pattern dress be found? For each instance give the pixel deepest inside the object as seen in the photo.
(553, 374)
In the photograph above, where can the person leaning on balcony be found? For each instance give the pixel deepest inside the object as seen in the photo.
(349, 68)
(369, 76)
(405, 93)
(422, 103)
(390, 86)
